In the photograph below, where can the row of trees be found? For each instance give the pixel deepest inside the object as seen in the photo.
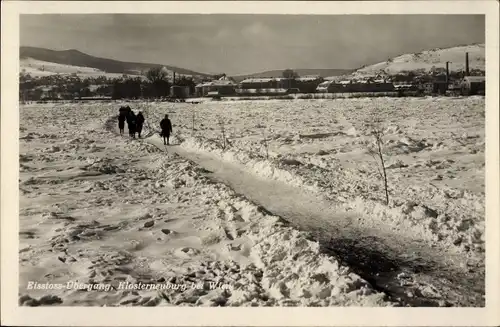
(156, 85)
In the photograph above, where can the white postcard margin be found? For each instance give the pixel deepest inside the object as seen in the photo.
(12, 314)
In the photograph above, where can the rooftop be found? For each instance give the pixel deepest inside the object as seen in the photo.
(325, 83)
(216, 83)
(476, 79)
(259, 80)
(307, 78)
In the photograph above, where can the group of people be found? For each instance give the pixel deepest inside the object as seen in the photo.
(135, 123)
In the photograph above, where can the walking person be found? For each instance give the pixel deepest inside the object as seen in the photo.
(121, 119)
(139, 121)
(131, 123)
(166, 129)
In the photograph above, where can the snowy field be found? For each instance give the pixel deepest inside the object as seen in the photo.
(99, 208)
(434, 152)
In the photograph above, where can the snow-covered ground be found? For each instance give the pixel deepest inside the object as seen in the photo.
(38, 68)
(434, 152)
(98, 207)
(426, 60)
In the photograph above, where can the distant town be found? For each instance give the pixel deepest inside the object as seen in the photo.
(162, 84)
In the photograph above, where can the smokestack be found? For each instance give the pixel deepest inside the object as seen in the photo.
(173, 81)
(447, 72)
(466, 64)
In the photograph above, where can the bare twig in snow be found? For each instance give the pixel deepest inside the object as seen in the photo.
(266, 144)
(223, 132)
(192, 127)
(378, 135)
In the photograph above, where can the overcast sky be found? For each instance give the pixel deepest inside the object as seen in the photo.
(239, 44)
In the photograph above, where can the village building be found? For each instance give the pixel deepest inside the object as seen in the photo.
(351, 86)
(265, 86)
(330, 86)
(177, 91)
(473, 85)
(222, 86)
(308, 84)
(262, 83)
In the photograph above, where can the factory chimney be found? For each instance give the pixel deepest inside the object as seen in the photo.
(466, 64)
(173, 80)
(447, 72)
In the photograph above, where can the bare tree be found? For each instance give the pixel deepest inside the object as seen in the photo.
(289, 73)
(192, 126)
(156, 74)
(223, 132)
(266, 146)
(159, 85)
(378, 133)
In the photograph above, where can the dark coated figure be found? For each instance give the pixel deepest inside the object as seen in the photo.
(166, 129)
(131, 122)
(121, 119)
(138, 123)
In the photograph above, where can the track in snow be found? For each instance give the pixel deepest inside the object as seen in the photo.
(410, 272)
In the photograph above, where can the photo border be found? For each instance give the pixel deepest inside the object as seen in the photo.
(12, 314)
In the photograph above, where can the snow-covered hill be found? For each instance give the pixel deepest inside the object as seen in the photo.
(38, 68)
(427, 60)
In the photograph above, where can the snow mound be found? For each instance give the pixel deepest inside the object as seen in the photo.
(295, 269)
(255, 164)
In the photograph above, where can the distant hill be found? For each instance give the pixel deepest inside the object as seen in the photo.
(77, 58)
(425, 61)
(38, 68)
(302, 72)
